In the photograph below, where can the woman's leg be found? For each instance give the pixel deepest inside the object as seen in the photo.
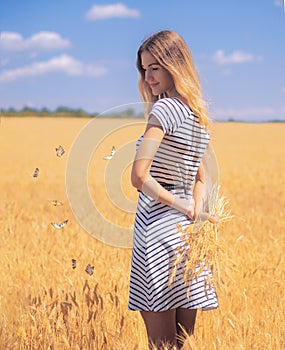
(161, 327)
(185, 318)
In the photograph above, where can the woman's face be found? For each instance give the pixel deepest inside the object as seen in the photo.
(157, 77)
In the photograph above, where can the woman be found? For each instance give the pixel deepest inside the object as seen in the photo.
(168, 174)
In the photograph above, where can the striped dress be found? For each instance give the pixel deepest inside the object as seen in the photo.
(156, 236)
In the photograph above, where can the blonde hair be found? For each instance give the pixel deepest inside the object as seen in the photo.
(173, 54)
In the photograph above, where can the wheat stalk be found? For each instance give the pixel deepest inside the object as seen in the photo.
(200, 248)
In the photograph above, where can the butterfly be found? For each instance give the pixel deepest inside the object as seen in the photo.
(59, 226)
(59, 151)
(36, 173)
(89, 269)
(55, 202)
(113, 151)
(73, 263)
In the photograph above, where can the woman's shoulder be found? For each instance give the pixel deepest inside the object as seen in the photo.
(173, 104)
(167, 102)
(171, 113)
(166, 106)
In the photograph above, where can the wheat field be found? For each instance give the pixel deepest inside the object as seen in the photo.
(45, 303)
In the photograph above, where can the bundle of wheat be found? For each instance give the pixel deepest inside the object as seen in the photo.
(201, 248)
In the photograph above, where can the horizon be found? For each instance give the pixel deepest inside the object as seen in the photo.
(66, 112)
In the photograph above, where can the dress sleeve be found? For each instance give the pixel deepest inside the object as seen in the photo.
(169, 113)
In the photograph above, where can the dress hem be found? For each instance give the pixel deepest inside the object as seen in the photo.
(205, 308)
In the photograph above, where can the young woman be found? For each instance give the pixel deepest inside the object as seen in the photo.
(168, 174)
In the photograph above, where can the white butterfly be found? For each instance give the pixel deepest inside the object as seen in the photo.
(55, 202)
(89, 269)
(59, 226)
(113, 151)
(36, 173)
(59, 151)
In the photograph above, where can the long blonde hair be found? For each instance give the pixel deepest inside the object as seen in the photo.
(173, 54)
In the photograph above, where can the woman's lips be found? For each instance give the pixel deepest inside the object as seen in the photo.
(153, 85)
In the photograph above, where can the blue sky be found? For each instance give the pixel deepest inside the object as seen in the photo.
(81, 54)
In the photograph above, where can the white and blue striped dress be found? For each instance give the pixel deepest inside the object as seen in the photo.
(156, 236)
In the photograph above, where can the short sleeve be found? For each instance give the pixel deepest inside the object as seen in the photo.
(170, 113)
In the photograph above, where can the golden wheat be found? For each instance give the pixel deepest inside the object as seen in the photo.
(46, 304)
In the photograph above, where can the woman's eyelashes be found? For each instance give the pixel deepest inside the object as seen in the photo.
(150, 69)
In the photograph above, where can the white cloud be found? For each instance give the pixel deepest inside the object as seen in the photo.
(64, 64)
(236, 57)
(111, 11)
(41, 41)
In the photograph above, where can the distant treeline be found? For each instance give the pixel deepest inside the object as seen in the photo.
(66, 112)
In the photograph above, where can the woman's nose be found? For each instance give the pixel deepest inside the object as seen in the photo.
(148, 76)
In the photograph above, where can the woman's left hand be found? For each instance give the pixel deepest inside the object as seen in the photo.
(215, 219)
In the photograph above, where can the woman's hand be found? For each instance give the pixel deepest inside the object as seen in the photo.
(185, 206)
(215, 219)
(191, 209)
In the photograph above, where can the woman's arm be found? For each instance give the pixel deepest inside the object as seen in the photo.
(142, 179)
(199, 191)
